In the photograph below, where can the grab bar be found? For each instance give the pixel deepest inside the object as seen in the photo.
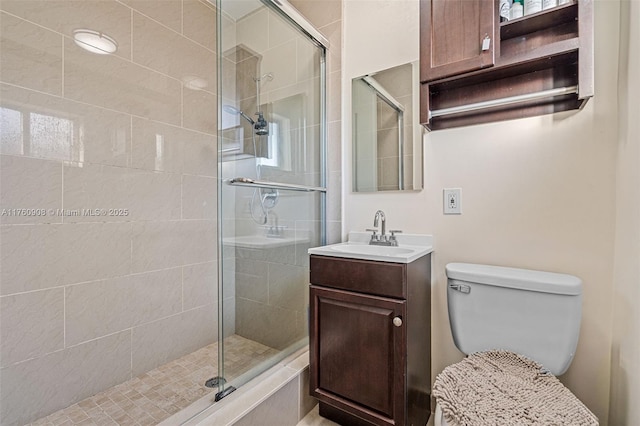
(504, 101)
(243, 181)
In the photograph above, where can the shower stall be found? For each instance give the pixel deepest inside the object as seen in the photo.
(162, 174)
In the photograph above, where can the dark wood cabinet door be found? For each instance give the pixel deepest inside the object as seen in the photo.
(452, 34)
(358, 354)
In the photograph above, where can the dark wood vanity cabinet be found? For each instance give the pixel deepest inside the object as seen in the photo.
(538, 64)
(455, 49)
(370, 350)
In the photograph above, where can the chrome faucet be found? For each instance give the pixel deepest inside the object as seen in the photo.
(383, 239)
(380, 215)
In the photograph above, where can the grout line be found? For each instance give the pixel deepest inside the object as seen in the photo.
(63, 68)
(131, 35)
(64, 317)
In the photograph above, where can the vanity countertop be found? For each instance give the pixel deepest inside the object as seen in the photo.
(410, 247)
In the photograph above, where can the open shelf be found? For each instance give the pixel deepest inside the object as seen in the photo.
(549, 18)
(541, 63)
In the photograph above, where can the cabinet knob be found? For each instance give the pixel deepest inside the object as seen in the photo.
(397, 321)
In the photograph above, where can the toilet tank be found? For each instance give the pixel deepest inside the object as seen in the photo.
(533, 313)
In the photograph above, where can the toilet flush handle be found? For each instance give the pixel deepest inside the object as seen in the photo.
(462, 288)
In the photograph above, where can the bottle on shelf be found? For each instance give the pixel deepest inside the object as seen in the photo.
(517, 10)
(548, 4)
(532, 6)
(505, 7)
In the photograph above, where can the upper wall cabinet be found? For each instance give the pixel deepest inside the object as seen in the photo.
(476, 69)
(454, 49)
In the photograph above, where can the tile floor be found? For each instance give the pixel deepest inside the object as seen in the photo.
(154, 396)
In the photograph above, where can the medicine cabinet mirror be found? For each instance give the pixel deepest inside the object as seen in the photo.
(387, 137)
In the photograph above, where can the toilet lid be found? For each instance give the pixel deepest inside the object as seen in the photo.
(504, 385)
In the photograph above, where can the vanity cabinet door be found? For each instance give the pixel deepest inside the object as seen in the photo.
(452, 34)
(358, 354)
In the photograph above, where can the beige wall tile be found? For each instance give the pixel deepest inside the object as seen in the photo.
(280, 30)
(320, 13)
(307, 60)
(200, 284)
(251, 287)
(42, 256)
(199, 197)
(279, 409)
(334, 146)
(167, 12)
(65, 130)
(334, 201)
(111, 82)
(200, 154)
(287, 286)
(307, 402)
(191, 330)
(96, 187)
(37, 387)
(168, 52)
(64, 16)
(30, 56)
(228, 34)
(27, 183)
(144, 195)
(157, 245)
(278, 61)
(103, 307)
(154, 196)
(200, 110)
(245, 73)
(200, 22)
(201, 238)
(157, 146)
(31, 325)
(397, 80)
(252, 31)
(268, 325)
(334, 96)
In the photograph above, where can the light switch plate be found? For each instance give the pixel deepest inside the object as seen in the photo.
(452, 201)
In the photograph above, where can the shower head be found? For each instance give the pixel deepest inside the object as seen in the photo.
(233, 110)
(261, 127)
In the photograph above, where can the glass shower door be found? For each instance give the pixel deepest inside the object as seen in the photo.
(271, 186)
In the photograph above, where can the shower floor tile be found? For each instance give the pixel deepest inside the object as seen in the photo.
(156, 395)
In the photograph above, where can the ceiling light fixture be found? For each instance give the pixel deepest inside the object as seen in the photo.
(95, 41)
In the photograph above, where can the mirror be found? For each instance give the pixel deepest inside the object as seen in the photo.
(387, 137)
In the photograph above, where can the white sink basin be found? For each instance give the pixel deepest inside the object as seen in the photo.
(410, 247)
(375, 250)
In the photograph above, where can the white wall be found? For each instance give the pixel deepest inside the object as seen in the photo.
(625, 354)
(537, 193)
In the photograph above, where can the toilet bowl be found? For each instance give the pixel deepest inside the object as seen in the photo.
(532, 313)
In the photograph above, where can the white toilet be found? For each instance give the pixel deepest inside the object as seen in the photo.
(532, 313)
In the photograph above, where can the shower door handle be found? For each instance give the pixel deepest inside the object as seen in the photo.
(244, 181)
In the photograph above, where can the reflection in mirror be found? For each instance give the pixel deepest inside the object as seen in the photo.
(387, 144)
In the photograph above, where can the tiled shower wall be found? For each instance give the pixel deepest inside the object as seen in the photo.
(89, 300)
(326, 16)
